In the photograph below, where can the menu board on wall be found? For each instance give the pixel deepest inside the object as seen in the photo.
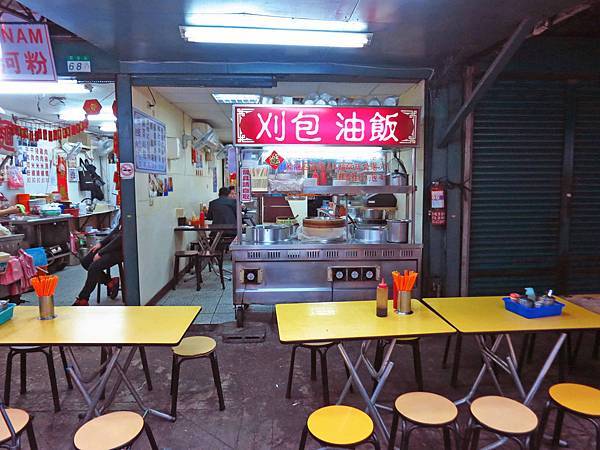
(35, 161)
(149, 143)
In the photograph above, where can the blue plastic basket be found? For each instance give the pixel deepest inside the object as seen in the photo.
(533, 313)
(7, 314)
(39, 256)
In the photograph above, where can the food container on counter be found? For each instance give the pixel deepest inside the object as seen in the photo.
(397, 230)
(370, 233)
(324, 228)
(267, 233)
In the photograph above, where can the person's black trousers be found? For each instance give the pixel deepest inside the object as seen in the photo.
(95, 270)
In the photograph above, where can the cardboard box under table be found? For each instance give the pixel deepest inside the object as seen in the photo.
(356, 320)
(111, 327)
(483, 316)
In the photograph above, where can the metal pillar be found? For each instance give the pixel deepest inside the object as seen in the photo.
(128, 209)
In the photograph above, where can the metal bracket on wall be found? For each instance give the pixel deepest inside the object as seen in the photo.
(511, 46)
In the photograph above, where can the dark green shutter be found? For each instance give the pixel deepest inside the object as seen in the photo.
(517, 159)
(583, 273)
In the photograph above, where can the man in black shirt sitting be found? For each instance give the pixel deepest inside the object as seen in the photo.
(223, 211)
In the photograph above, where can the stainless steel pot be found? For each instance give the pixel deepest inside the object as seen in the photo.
(397, 231)
(267, 233)
(372, 214)
(371, 234)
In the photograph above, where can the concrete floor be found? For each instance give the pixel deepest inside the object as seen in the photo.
(258, 416)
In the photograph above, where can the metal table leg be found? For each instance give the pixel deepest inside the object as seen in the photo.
(380, 377)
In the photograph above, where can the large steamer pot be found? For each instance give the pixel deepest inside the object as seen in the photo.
(397, 231)
(324, 228)
(268, 233)
(370, 234)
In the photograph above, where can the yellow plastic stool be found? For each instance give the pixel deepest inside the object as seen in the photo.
(502, 416)
(195, 347)
(20, 421)
(424, 410)
(576, 399)
(339, 426)
(114, 430)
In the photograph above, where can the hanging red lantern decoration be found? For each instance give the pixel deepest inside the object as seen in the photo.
(92, 107)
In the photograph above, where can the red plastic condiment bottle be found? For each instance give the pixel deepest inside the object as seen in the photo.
(382, 299)
(201, 219)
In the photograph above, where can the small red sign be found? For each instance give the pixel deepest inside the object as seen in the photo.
(258, 125)
(274, 160)
(92, 107)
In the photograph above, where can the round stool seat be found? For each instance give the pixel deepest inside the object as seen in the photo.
(195, 346)
(317, 344)
(579, 398)
(426, 408)
(186, 253)
(340, 425)
(504, 415)
(112, 430)
(19, 420)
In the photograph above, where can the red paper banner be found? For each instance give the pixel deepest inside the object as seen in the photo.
(257, 125)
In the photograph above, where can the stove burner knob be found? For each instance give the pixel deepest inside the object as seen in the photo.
(339, 275)
(250, 276)
(355, 274)
(369, 275)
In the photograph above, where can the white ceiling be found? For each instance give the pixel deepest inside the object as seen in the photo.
(48, 107)
(199, 104)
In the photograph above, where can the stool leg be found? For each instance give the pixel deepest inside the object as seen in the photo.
(198, 264)
(523, 352)
(23, 367)
(393, 430)
(145, 367)
(468, 435)
(475, 438)
(417, 363)
(313, 364)
(597, 427)
(8, 377)
(544, 420)
(175, 272)
(404, 436)
(447, 440)
(560, 415)
(303, 438)
(31, 435)
(446, 351)
(324, 377)
(456, 362)
(531, 349)
(288, 391)
(150, 436)
(456, 432)
(596, 350)
(221, 275)
(65, 364)
(575, 352)
(52, 374)
(374, 442)
(217, 378)
(174, 386)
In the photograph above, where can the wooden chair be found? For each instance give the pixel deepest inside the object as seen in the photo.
(317, 347)
(12, 424)
(23, 351)
(504, 417)
(195, 347)
(575, 399)
(424, 410)
(191, 255)
(115, 430)
(339, 426)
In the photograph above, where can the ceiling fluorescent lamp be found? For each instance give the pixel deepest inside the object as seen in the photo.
(108, 127)
(42, 87)
(248, 99)
(273, 22)
(268, 36)
(77, 115)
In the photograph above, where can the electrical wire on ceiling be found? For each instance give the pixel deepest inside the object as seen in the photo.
(153, 98)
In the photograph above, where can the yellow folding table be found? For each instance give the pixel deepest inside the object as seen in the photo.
(356, 320)
(482, 316)
(112, 327)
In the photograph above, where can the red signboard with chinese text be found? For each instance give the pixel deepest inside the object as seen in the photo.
(26, 53)
(257, 125)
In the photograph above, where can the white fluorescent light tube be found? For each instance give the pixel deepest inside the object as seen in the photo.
(236, 98)
(268, 36)
(42, 87)
(109, 127)
(77, 115)
(273, 22)
(325, 152)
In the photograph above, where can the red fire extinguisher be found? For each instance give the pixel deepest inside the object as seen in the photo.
(437, 212)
